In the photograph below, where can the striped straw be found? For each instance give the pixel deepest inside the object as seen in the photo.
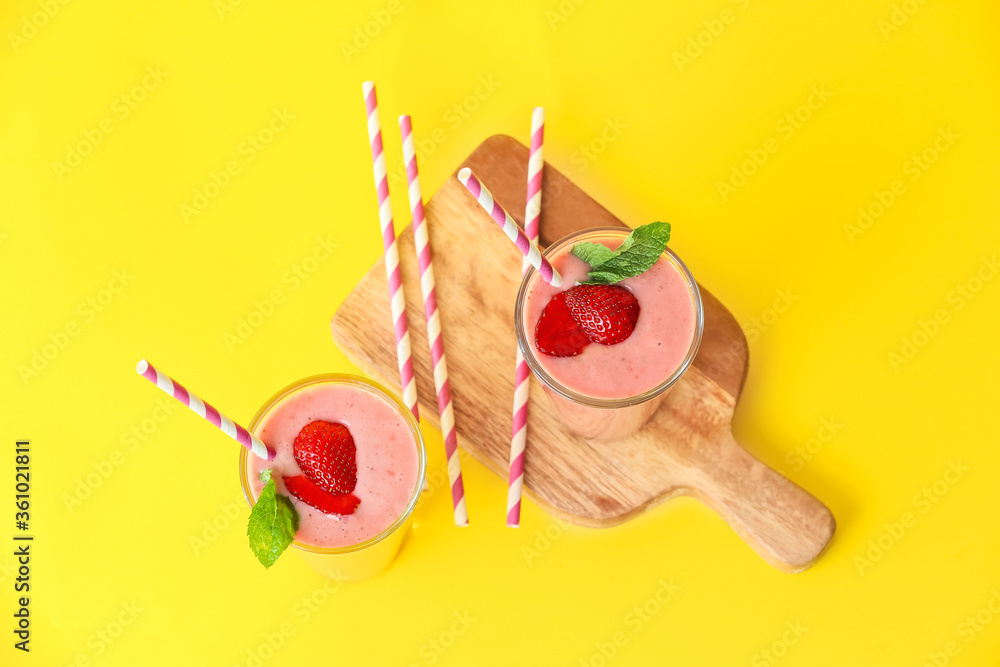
(519, 436)
(203, 409)
(397, 301)
(433, 324)
(528, 248)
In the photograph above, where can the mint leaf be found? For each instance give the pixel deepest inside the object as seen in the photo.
(265, 475)
(593, 253)
(602, 278)
(273, 522)
(637, 253)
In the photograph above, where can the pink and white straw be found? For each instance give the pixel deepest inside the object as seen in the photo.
(203, 409)
(397, 301)
(519, 436)
(527, 247)
(441, 384)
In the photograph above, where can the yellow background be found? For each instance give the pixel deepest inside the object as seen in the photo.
(682, 127)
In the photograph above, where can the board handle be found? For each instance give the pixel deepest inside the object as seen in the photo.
(783, 522)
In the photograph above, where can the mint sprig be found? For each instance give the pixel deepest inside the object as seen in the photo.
(273, 522)
(637, 253)
(593, 253)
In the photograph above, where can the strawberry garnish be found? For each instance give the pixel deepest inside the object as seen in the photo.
(557, 334)
(605, 313)
(325, 451)
(312, 495)
(585, 314)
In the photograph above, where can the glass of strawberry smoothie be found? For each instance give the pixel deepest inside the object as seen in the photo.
(609, 391)
(391, 464)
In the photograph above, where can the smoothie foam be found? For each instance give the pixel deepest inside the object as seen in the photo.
(387, 459)
(658, 345)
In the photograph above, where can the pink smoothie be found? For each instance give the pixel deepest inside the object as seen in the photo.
(657, 346)
(388, 462)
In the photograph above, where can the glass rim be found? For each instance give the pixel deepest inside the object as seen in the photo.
(377, 389)
(590, 401)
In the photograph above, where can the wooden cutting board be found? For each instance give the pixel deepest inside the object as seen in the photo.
(687, 448)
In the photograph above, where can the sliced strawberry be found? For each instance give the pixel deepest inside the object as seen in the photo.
(328, 503)
(605, 313)
(557, 334)
(325, 451)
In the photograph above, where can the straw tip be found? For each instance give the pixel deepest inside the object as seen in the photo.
(464, 173)
(367, 86)
(538, 112)
(141, 367)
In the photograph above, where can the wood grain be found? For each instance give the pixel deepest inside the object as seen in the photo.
(687, 448)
